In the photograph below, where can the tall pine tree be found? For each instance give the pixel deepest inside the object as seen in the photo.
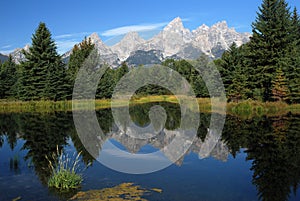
(43, 73)
(79, 54)
(269, 45)
(233, 73)
(9, 77)
(280, 90)
(293, 74)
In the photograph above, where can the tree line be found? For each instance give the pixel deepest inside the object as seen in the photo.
(44, 76)
(267, 68)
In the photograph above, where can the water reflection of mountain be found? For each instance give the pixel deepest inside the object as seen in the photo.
(272, 143)
(202, 149)
(210, 145)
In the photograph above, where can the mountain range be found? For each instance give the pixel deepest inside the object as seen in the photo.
(174, 41)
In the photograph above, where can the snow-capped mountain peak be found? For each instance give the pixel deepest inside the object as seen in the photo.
(127, 45)
(174, 40)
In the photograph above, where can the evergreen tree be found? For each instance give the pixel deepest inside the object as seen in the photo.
(106, 85)
(79, 54)
(270, 44)
(43, 73)
(121, 71)
(233, 73)
(280, 90)
(192, 76)
(9, 76)
(293, 74)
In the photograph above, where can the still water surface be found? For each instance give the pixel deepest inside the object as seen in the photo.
(256, 158)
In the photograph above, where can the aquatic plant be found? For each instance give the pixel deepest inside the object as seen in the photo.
(122, 192)
(65, 172)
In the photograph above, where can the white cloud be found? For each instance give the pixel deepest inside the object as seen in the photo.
(66, 45)
(63, 36)
(72, 35)
(138, 28)
(6, 46)
(6, 49)
(6, 52)
(66, 42)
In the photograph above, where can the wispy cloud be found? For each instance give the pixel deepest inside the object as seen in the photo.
(65, 42)
(138, 28)
(6, 49)
(6, 46)
(72, 35)
(6, 52)
(186, 19)
(64, 46)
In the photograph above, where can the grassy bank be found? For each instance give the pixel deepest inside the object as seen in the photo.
(250, 108)
(245, 109)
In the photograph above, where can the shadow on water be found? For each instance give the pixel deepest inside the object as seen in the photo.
(271, 145)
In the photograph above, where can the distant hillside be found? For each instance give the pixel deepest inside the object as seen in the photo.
(3, 58)
(141, 57)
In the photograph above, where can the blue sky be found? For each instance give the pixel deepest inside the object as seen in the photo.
(70, 20)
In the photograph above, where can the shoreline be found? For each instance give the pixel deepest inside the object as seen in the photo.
(245, 108)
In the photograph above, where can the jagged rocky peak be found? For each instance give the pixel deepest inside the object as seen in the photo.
(201, 29)
(172, 38)
(127, 45)
(173, 41)
(105, 52)
(204, 27)
(26, 48)
(175, 24)
(221, 25)
(95, 38)
(18, 55)
(133, 35)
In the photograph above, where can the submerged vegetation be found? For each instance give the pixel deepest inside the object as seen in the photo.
(125, 191)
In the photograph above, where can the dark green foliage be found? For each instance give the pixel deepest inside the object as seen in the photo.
(273, 149)
(271, 45)
(188, 71)
(208, 83)
(109, 80)
(233, 74)
(280, 90)
(250, 71)
(79, 55)
(8, 79)
(293, 75)
(106, 84)
(43, 73)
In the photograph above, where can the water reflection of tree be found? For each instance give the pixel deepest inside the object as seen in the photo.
(9, 127)
(43, 133)
(273, 146)
(140, 114)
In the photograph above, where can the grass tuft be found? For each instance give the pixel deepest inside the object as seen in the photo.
(65, 172)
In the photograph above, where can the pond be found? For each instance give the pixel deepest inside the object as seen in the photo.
(253, 159)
